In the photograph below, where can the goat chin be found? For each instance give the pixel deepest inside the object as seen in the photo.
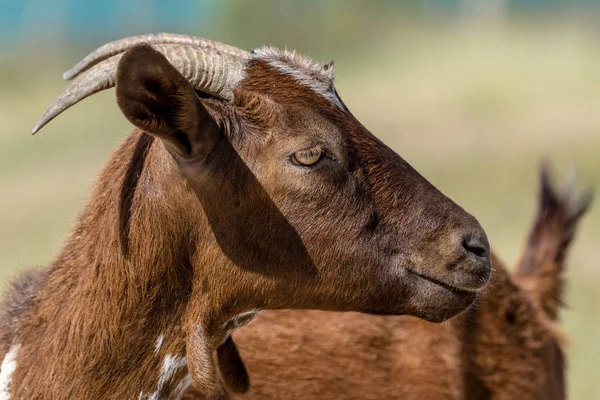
(430, 300)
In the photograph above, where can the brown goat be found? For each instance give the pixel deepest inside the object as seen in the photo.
(247, 186)
(504, 347)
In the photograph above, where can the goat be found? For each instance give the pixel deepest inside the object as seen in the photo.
(505, 347)
(247, 185)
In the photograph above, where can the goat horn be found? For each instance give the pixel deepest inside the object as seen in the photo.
(207, 70)
(118, 46)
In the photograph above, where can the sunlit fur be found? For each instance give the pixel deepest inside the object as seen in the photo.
(303, 70)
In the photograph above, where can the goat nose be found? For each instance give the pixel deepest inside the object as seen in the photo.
(476, 244)
(469, 266)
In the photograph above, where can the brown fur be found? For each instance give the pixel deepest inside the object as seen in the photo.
(540, 269)
(200, 216)
(504, 347)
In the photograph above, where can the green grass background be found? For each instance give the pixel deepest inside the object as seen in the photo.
(474, 110)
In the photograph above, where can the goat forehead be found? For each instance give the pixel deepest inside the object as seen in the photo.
(302, 70)
(293, 62)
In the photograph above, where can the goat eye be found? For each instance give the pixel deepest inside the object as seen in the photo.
(309, 156)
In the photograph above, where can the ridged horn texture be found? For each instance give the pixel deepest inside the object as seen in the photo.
(118, 46)
(210, 67)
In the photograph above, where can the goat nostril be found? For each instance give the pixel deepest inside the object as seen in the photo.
(477, 245)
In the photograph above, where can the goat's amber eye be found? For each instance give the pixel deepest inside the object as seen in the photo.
(309, 156)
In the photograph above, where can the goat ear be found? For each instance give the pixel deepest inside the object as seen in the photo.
(156, 98)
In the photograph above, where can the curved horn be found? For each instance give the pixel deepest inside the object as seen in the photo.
(207, 70)
(118, 46)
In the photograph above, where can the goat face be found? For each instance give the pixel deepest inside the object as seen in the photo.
(307, 208)
(278, 196)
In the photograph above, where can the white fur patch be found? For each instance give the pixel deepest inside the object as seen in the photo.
(317, 77)
(170, 366)
(238, 321)
(9, 364)
(159, 342)
(181, 387)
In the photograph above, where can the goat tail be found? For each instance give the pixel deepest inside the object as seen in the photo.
(540, 269)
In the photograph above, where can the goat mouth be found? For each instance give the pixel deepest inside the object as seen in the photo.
(453, 289)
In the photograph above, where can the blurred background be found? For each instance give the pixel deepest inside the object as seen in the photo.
(473, 93)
